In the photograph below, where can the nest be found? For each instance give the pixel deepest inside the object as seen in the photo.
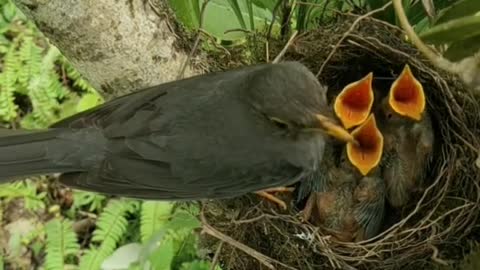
(437, 225)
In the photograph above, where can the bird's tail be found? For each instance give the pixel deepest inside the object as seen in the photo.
(27, 153)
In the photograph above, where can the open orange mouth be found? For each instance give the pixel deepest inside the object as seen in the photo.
(367, 154)
(406, 96)
(353, 104)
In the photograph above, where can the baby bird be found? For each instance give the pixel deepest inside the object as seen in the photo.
(409, 138)
(352, 206)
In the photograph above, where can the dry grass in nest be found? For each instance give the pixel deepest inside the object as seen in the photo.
(432, 230)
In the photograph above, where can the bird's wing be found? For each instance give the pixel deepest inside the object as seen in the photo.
(153, 180)
(122, 108)
(370, 214)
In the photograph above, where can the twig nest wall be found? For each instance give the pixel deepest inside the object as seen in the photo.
(440, 217)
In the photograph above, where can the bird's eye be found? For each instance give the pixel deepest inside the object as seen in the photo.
(389, 115)
(279, 123)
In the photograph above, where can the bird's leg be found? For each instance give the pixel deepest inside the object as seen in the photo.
(266, 194)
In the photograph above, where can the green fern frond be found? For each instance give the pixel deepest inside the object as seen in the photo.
(111, 227)
(154, 215)
(30, 58)
(8, 109)
(8, 77)
(76, 77)
(55, 88)
(61, 243)
(25, 190)
(43, 105)
(45, 90)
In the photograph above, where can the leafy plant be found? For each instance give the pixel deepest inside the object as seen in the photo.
(61, 243)
(110, 228)
(153, 216)
(457, 26)
(173, 245)
(36, 75)
(25, 190)
(233, 15)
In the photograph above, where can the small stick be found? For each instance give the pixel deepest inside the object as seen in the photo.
(197, 41)
(217, 255)
(263, 259)
(346, 34)
(285, 48)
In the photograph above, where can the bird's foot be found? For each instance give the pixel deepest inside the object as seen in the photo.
(266, 194)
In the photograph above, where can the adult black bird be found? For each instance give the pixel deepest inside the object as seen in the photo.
(218, 135)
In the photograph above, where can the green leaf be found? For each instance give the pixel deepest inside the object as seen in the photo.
(26, 191)
(123, 257)
(154, 215)
(265, 4)
(464, 48)
(61, 242)
(459, 9)
(236, 9)
(183, 220)
(9, 11)
(88, 101)
(111, 227)
(187, 11)
(219, 11)
(250, 14)
(198, 265)
(94, 201)
(452, 31)
(161, 259)
(220, 17)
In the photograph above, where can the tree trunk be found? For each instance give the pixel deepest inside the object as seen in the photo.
(118, 45)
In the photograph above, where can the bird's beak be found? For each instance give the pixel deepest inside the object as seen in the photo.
(367, 154)
(352, 106)
(406, 95)
(335, 130)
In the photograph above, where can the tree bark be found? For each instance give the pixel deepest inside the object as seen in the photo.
(118, 45)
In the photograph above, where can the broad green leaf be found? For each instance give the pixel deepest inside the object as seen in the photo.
(308, 14)
(183, 220)
(250, 14)
(219, 17)
(187, 11)
(9, 11)
(238, 12)
(123, 257)
(452, 31)
(422, 25)
(198, 265)
(88, 101)
(458, 10)
(265, 4)
(463, 48)
(154, 215)
(161, 259)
